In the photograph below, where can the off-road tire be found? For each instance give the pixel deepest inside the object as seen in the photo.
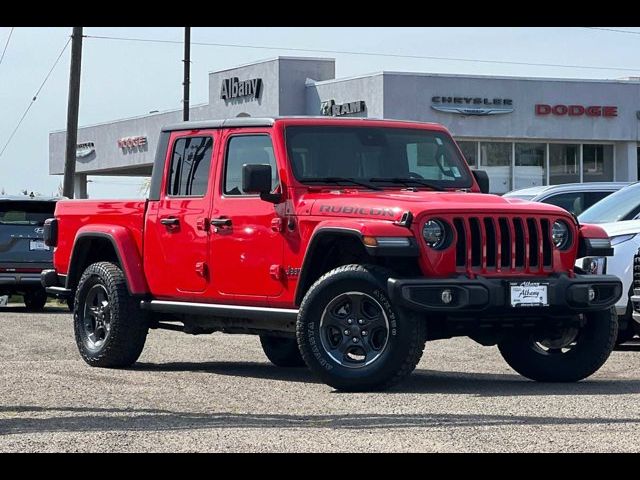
(282, 351)
(129, 324)
(35, 300)
(594, 344)
(406, 336)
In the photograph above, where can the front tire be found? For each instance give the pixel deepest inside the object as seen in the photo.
(282, 351)
(110, 328)
(351, 335)
(35, 300)
(566, 355)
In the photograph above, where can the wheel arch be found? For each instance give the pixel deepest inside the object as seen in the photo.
(113, 245)
(332, 245)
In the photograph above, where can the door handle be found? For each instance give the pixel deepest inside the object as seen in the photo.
(170, 221)
(221, 222)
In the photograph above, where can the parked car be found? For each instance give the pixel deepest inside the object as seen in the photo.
(573, 197)
(618, 216)
(345, 244)
(23, 253)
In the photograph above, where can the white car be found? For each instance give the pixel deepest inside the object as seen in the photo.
(617, 215)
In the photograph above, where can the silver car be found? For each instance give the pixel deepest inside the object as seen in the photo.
(574, 197)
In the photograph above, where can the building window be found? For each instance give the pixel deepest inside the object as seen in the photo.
(189, 174)
(470, 152)
(495, 158)
(597, 163)
(247, 149)
(564, 163)
(530, 163)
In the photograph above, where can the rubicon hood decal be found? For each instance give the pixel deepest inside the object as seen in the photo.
(355, 210)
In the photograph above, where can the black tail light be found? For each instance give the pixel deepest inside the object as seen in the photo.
(51, 232)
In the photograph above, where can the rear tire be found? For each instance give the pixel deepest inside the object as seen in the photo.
(282, 351)
(352, 336)
(110, 328)
(563, 356)
(35, 300)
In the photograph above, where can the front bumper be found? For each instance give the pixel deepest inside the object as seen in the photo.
(492, 295)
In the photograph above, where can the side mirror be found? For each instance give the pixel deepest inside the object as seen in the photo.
(256, 178)
(482, 179)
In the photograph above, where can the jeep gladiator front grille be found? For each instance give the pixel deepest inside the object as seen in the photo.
(503, 244)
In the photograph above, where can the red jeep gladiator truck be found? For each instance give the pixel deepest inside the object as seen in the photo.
(345, 244)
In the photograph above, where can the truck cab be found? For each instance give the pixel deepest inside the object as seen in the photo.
(345, 244)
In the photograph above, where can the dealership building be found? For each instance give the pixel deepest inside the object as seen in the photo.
(523, 131)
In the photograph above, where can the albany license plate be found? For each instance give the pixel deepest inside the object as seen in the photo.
(529, 294)
(37, 245)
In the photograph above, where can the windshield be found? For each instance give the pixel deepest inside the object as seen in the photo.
(25, 213)
(621, 205)
(375, 154)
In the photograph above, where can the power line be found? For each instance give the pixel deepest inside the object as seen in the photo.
(372, 54)
(6, 45)
(613, 30)
(35, 97)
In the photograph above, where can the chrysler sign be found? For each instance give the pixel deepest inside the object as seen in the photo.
(85, 149)
(472, 105)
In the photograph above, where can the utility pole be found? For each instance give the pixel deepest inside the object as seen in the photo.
(72, 112)
(187, 67)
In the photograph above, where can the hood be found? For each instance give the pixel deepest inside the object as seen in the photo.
(391, 204)
(624, 227)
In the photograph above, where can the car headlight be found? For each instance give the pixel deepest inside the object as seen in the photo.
(435, 234)
(621, 239)
(561, 235)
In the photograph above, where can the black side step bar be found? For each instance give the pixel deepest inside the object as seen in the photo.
(217, 310)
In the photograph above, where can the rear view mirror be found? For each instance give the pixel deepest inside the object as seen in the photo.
(482, 179)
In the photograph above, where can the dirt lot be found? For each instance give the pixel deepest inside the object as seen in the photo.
(219, 393)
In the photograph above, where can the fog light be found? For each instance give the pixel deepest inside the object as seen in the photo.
(446, 296)
(592, 294)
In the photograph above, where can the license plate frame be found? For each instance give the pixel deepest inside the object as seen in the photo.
(528, 294)
(38, 246)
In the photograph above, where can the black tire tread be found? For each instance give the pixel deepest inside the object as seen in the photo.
(588, 366)
(128, 322)
(380, 275)
(282, 352)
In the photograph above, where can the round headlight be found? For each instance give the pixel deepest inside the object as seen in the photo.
(560, 235)
(435, 234)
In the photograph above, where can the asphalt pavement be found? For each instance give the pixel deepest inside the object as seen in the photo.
(219, 393)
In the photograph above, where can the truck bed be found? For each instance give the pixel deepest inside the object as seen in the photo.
(72, 215)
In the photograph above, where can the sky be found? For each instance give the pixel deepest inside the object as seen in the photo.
(122, 79)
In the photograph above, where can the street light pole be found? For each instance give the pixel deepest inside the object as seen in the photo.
(187, 67)
(72, 112)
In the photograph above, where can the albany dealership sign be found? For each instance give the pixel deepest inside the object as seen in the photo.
(235, 88)
(472, 105)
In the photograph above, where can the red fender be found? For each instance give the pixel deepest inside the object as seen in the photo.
(126, 249)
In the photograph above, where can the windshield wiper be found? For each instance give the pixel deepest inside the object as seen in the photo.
(339, 180)
(407, 181)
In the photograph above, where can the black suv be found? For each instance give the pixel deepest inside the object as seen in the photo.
(23, 254)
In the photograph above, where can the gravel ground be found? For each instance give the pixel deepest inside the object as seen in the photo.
(218, 393)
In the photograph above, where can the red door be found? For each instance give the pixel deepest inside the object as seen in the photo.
(247, 250)
(177, 230)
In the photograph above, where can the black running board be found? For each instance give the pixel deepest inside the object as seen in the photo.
(285, 315)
